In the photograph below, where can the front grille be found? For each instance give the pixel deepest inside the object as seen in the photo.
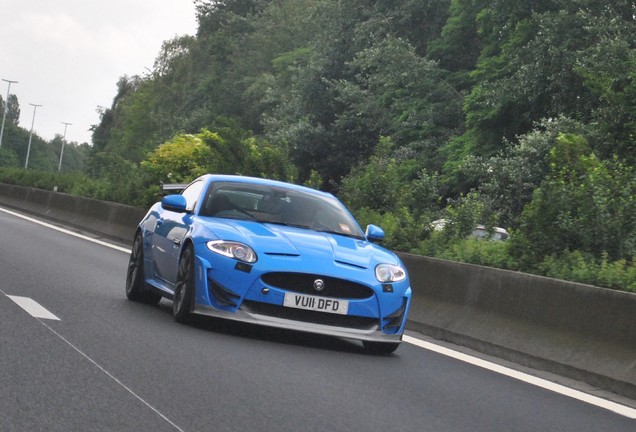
(304, 283)
(347, 321)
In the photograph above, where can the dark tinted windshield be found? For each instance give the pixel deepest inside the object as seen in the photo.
(274, 204)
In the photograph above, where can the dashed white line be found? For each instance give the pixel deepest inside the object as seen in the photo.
(33, 308)
(115, 379)
(39, 312)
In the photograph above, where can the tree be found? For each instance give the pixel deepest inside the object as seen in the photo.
(102, 136)
(119, 179)
(585, 204)
(228, 151)
(13, 110)
(180, 160)
(607, 70)
(530, 66)
(507, 180)
(395, 92)
(458, 45)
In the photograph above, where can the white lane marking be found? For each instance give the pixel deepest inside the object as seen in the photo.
(33, 308)
(112, 377)
(65, 231)
(22, 301)
(548, 385)
(539, 382)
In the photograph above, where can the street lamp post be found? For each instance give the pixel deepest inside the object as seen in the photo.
(59, 167)
(6, 108)
(35, 107)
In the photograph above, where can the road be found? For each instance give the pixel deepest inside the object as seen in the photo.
(103, 363)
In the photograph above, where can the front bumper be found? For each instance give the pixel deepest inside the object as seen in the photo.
(372, 334)
(230, 291)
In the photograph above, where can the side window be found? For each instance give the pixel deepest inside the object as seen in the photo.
(192, 194)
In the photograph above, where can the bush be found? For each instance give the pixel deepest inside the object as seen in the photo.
(402, 231)
(468, 250)
(585, 204)
(584, 268)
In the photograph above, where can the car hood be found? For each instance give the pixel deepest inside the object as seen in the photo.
(274, 239)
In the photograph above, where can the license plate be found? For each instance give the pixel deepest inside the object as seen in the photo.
(321, 304)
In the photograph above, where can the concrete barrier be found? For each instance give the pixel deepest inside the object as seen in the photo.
(574, 330)
(111, 220)
(578, 331)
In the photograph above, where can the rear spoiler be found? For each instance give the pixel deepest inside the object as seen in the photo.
(173, 187)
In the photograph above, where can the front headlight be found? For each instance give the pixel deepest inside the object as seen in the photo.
(389, 273)
(234, 250)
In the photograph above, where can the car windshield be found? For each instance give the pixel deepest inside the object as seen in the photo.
(279, 205)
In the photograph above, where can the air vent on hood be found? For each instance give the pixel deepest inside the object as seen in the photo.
(351, 264)
(282, 254)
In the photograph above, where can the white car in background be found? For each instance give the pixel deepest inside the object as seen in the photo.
(494, 234)
(480, 232)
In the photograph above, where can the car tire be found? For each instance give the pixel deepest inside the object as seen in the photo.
(136, 289)
(380, 347)
(183, 301)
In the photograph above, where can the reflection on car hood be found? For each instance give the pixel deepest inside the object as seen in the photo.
(274, 239)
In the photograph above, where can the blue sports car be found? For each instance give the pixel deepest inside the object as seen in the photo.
(270, 253)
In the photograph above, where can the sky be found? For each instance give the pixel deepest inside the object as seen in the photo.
(67, 55)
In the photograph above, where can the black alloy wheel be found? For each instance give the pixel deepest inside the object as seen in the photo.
(183, 301)
(136, 289)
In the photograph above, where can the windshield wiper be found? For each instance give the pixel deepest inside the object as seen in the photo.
(245, 212)
(341, 233)
(295, 225)
(288, 224)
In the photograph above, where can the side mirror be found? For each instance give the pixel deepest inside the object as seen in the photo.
(175, 203)
(374, 233)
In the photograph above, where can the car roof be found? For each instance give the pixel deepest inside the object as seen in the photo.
(260, 181)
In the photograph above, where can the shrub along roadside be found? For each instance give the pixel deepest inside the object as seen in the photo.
(77, 183)
(67, 182)
(452, 245)
(573, 266)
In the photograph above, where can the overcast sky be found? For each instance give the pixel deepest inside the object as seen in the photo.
(67, 55)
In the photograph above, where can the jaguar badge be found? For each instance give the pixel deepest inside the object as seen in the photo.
(319, 285)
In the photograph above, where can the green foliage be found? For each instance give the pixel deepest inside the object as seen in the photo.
(386, 182)
(13, 110)
(508, 113)
(396, 92)
(584, 268)
(464, 214)
(531, 67)
(608, 71)
(375, 184)
(74, 183)
(480, 252)
(113, 178)
(458, 46)
(230, 151)
(8, 158)
(314, 180)
(181, 160)
(595, 212)
(507, 180)
(401, 228)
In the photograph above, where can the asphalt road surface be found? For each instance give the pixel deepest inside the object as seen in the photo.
(90, 360)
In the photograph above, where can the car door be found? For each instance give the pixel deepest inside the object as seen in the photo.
(171, 229)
